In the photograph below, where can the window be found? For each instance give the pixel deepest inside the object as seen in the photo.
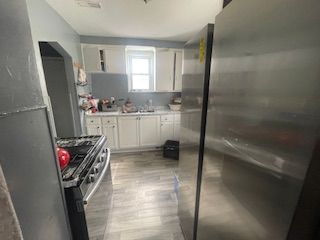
(140, 69)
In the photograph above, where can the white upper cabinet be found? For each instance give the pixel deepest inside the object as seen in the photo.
(92, 59)
(107, 58)
(178, 71)
(168, 70)
(164, 70)
(149, 131)
(115, 59)
(112, 59)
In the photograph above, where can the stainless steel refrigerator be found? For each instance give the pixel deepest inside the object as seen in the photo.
(196, 76)
(27, 149)
(260, 171)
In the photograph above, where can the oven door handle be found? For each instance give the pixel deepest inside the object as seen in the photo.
(87, 197)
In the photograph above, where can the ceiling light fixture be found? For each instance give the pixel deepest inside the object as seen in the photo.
(89, 3)
(146, 1)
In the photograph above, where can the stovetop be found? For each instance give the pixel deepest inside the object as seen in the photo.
(78, 141)
(82, 151)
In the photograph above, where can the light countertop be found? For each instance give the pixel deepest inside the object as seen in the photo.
(119, 113)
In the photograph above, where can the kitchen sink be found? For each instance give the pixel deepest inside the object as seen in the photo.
(140, 112)
(147, 111)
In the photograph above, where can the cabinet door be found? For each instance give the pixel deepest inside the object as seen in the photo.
(91, 58)
(149, 131)
(94, 130)
(176, 131)
(164, 70)
(178, 71)
(111, 132)
(128, 131)
(166, 131)
(115, 60)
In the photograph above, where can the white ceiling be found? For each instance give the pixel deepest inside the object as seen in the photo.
(174, 20)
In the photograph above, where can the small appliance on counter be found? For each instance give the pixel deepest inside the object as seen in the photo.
(89, 104)
(129, 107)
(107, 105)
(175, 104)
(87, 184)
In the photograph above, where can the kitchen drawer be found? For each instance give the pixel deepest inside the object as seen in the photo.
(167, 118)
(93, 120)
(177, 118)
(109, 120)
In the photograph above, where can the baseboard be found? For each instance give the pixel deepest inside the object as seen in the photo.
(129, 150)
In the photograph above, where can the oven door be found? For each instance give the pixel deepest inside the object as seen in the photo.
(98, 202)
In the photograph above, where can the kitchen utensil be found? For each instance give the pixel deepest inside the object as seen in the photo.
(64, 157)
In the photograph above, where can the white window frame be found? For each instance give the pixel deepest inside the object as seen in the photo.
(143, 53)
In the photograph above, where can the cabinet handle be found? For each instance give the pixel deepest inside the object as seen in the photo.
(98, 127)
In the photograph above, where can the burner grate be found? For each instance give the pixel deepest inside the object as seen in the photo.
(81, 149)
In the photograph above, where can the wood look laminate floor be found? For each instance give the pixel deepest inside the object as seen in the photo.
(144, 201)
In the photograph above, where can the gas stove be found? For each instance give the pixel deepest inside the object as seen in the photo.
(82, 178)
(82, 151)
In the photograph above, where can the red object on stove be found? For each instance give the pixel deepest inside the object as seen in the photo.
(64, 157)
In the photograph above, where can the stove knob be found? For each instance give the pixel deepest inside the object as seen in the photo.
(95, 170)
(91, 178)
(102, 157)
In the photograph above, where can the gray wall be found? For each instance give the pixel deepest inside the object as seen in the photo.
(27, 152)
(57, 86)
(109, 85)
(49, 26)
(131, 41)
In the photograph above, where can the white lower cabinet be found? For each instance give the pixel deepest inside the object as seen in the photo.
(167, 131)
(176, 131)
(149, 131)
(141, 131)
(94, 130)
(170, 127)
(129, 132)
(128, 127)
(111, 133)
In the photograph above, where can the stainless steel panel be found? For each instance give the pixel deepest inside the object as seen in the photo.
(20, 86)
(27, 153)
(264, 110)
(31, 170)
(98, 208)
(194, 80)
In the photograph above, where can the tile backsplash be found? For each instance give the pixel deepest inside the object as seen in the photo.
(106, 85)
